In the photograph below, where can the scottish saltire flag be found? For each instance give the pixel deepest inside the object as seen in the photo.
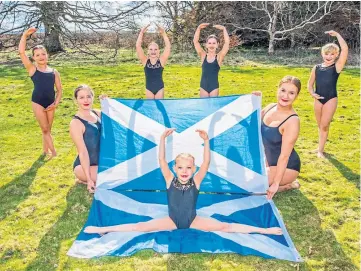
(131, 188)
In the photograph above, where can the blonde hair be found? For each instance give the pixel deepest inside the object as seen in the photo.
(212, 37)
(330, 47)
(293, 80)
(184, 156)
(83, 87)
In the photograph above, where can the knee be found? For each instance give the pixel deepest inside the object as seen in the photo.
(324, 127)
(45, 129)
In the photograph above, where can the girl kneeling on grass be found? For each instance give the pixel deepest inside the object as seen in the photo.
(85, 132)
(182, 192)
(280, 129)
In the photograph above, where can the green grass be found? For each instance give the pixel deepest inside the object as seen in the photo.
(42, 210)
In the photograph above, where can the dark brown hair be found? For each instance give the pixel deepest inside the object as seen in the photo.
(212, 37)
(38, 47)
(293, 80)
(81, 87)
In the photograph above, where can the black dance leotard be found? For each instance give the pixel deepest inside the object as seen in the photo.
(326, 81)
(272, 142)
(210, 71)
(91, 138)
(153, 76)
(43, 93)
(182, 200)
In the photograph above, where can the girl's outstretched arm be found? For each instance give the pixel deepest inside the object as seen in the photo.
(30, 67)
(167, 174)
(198, 178)
(196, 43)
(138, 46)
(225, 47)
(340, 63)
(164, 57)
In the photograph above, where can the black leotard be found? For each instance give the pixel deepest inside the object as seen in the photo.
(209, 80)
(43, 93)
(182, 199)
(153, 76)
(272, 142)
(326, 81)
(91, 138)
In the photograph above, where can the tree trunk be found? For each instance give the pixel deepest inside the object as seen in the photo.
(271, 43)
(272, 27)
(50, 13)
(293, 40)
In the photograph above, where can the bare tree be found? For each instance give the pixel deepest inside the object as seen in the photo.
(65, 20)
(280, 19)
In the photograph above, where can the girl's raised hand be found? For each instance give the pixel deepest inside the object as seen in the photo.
(203, 134)
(160, 29)
(30, 31)
(218, 26)
(144, 29)
(168, 132)
(204, 25)
(332, 33)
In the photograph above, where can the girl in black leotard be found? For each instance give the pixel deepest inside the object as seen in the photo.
(153, 64)
(182, 192)
(85, 132)
(211, 61)
(44, 100)
(325, 76)
(280, 128)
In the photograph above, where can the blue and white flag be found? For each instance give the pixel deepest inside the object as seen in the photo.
(131, 188)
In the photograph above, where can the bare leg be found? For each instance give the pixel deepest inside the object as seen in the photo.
(210, 224)
(328, 110)
(149, 94)
(160, 94)
(318, 112)
(214, 93)
(42, 118)
(289, 180)
(79, 173)
(50, 115)
(203, 93)
(159, 224)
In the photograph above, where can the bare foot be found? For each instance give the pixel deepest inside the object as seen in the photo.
(320, 155)
(294, 185)
(274, 230)
(93, 229)
(79, 181)
(314, 151)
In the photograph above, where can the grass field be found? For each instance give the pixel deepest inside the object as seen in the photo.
(42, 210)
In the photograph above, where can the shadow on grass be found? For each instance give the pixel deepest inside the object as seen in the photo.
(68, 226)
(345, 171)
(17, 190)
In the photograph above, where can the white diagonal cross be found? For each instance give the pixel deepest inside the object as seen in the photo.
(187, 141)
